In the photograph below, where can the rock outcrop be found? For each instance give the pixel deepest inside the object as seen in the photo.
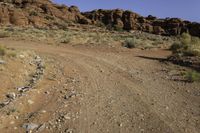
(44, 13)
(38, 13)
(132, 21)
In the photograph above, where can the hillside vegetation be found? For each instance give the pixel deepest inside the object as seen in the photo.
(187, 46)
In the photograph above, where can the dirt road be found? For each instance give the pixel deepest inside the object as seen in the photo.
(105, 90)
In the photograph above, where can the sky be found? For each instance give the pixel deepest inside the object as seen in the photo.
(185, 9)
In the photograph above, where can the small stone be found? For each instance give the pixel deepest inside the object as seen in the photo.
(46, 92)
(37, 59)
(43, 111)
(67, 117)
(41, 127)
(4, 103)
(21, 56)
(11, 95)
(188, 91)
(120, 124)
(16, 117)
(66, 97)
(12, 122)
(2, 62)
(30, 126)
(68, 130)
(30, 102)
(142, 130)
(23, 89)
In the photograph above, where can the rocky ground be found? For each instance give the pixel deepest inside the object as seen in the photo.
(83, 89)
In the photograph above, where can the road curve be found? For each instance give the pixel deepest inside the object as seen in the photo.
(104, 90)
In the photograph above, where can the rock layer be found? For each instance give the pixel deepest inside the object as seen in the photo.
(132, 21)
(44, 13)
(38, 13)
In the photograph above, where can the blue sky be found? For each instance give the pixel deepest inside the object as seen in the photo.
(185, 9)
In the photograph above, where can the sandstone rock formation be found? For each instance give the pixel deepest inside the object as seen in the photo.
(44, 13)
(132, 21)
(38, 13)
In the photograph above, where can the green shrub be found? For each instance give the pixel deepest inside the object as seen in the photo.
(2, 51)
(49, 18)
(100, 24)
(178, 47)
(11, 54)
(195, 40)
(4, 34)
(186, 39)
(175, 47)
(130, 43)
(118, 28)
(188, 45)
(33, 13)
(65, 40)
(192, 76)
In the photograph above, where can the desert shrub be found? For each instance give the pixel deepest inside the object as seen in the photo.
(188, 45)
(100, 24)
(185, 38)
(49, 18)
(61, 25)
(130, 43)
(66, 40)
(176, 46)
(11, 54)
(33, 13)
(9, 29)
(195, 40)
(156, 41)
(192, 76)
(2, 51)
(147, 45)
(4, 34)
(118, 28)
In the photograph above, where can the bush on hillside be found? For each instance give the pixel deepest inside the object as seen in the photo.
(192, 76)
(130, 43)
(189, 46)
(2, 51)
(4, 34)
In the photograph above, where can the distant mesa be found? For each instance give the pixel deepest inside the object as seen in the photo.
(45, 14)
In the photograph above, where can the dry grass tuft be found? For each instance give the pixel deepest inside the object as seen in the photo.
(2, 50)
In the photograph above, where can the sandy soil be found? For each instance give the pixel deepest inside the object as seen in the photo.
(104, 90)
